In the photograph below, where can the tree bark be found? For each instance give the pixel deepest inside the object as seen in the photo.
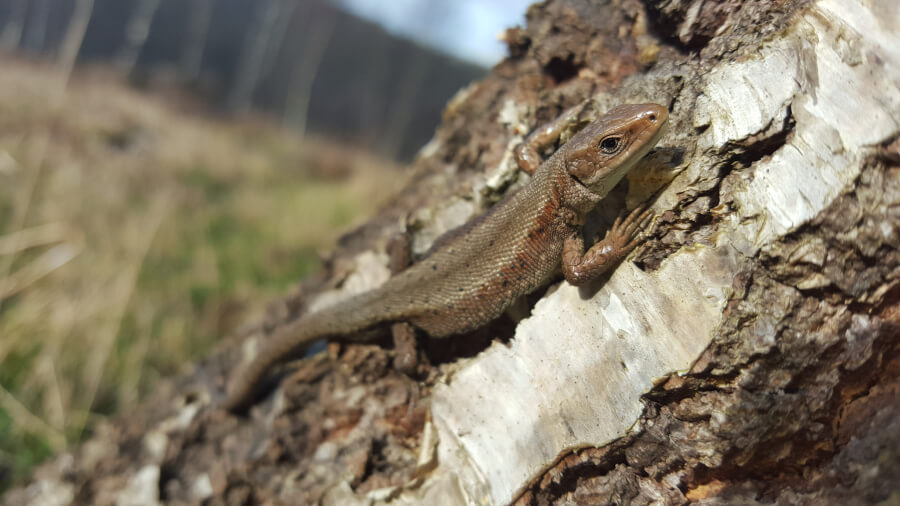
(747, 352)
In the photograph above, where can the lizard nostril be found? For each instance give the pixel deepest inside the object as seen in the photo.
(652, 117)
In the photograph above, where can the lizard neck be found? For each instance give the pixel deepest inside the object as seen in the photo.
(571, 196)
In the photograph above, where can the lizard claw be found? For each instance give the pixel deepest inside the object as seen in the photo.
(625, 234)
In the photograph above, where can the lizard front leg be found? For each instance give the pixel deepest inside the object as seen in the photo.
(580, 267)
(527, 156)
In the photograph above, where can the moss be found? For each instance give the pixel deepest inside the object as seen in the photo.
(19, 452)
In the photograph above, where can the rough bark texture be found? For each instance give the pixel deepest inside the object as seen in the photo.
(796, 396)
(796, 401)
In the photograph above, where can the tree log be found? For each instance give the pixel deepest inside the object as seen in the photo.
(747, 352)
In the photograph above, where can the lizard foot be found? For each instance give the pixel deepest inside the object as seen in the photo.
(624, 235)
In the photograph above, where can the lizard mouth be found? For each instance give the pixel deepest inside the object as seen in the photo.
(579, 181)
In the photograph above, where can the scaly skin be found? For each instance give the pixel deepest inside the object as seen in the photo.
(472, 274)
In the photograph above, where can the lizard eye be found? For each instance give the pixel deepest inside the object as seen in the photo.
(610, 145)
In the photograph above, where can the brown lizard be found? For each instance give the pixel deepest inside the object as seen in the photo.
(472, 274)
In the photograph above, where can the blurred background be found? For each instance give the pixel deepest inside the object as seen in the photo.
(169, 166)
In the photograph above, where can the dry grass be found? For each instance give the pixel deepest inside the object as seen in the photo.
(132, 237)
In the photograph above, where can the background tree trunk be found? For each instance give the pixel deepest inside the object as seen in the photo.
(315, 43)
(136, 34)
(36, 28)
(277, 38)
(199, 16)
(257, 44)
(11, 35)
(72, 40)
(748, 351)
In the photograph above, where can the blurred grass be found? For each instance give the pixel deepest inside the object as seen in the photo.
(133, 237)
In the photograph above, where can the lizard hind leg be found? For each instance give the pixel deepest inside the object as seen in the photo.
(406, 350)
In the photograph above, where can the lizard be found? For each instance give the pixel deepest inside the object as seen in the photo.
(472, 274)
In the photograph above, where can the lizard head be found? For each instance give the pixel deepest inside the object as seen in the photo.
(604, 151)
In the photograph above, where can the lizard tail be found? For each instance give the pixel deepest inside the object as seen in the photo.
(292, 339)
(288, 341)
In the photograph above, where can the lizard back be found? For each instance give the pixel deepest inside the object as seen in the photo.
(472, 274)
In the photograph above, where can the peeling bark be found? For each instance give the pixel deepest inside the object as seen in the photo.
(747, 352)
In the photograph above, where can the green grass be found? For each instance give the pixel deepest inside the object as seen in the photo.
(19, 451)
(172, 232)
